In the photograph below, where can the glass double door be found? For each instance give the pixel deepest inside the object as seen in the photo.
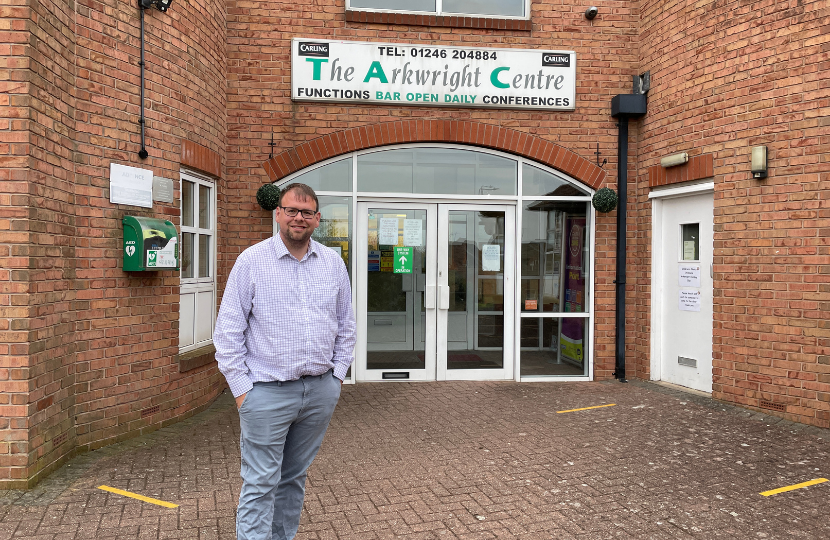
(434, 291)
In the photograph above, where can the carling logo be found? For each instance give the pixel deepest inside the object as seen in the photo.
(314, 49)
(556, 59)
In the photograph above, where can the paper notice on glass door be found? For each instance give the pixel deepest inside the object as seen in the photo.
(491, 258)
(689, 300)
(412, 229)
(388, 232)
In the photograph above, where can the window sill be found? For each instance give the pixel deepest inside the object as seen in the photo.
(413, 19)
(196, 358)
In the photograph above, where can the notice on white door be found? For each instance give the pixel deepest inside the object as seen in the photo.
(388, 231)
(689, 300)
(689, 275)
(412, 232)
(491, 258)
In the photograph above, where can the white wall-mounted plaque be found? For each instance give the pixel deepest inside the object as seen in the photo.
(437, 75)
(131, 185)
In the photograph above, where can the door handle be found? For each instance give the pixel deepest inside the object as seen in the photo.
(443, 297)
(429, 297)
(406, 282)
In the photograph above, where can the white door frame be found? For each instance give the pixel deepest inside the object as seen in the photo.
(657, 271)
(506, 372)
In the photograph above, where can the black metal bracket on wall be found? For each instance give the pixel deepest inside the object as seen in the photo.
(623, 107)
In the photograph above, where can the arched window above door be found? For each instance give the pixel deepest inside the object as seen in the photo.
(439, 170)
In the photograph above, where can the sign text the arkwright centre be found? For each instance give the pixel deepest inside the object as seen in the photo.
(413, 74)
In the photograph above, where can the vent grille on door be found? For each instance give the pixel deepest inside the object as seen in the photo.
(688, 362)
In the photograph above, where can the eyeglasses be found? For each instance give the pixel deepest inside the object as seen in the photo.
(292, 212)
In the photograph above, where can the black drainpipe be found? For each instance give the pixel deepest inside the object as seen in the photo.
(623, 107)
(143, 152)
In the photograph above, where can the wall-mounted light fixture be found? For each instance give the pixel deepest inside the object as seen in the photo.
(161, 5)
(759, 162)
(674, 160)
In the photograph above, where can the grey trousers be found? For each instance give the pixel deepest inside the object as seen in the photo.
(282, 427)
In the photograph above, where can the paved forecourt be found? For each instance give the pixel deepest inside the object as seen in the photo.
(466, 460)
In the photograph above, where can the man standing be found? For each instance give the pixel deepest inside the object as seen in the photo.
(284, 340)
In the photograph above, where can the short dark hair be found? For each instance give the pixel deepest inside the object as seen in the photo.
(302, 192)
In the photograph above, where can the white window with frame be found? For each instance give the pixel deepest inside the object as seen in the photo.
(197, 312)
(507, 9)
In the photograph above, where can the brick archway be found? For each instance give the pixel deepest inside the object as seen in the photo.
(434, 131)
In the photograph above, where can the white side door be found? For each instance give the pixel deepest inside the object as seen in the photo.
(683, 318)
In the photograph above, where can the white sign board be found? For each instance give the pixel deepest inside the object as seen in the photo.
(689, 300)
(437, 75)
(388, 231)
(491, 258)
(131, 185)
(412, 234)
(689, 275)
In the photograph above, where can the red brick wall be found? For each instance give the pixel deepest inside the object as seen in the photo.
(36, 237)
(259, 104)
(85, 348)
(726, 76)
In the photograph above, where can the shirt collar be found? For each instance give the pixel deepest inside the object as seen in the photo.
(282, 251)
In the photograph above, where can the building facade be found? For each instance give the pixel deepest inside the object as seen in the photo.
(456, 147)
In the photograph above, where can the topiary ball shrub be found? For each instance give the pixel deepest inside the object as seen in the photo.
(268, 197)
(605, 200)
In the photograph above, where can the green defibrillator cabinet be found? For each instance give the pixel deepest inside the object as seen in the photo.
(150, 244)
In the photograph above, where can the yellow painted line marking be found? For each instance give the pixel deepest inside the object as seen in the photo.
(586, 408)
(792, 487)
(139, 497)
